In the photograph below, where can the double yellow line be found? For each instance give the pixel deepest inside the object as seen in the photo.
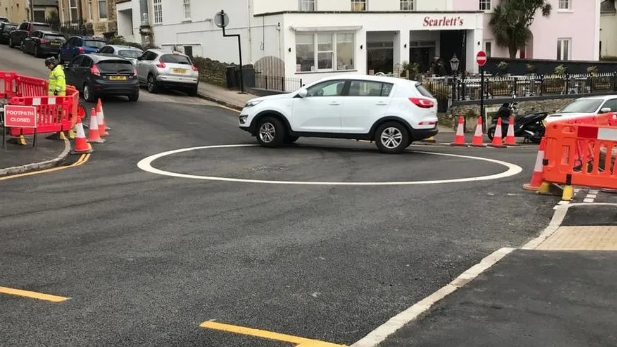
(82, 160)
(32, 295)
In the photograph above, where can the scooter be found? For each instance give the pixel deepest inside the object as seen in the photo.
(529, 126)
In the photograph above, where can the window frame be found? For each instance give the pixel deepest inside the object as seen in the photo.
(485, 5)
(157, 11)
(308, 4)
(186, 7)
(407, 5)
(102, 14)
(567, 3)
(381, 89)
(355, 3)
(328, 83)
(316, 51)
(560, 51)
(489, 52)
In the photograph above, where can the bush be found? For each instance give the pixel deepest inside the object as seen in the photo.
(214, 71)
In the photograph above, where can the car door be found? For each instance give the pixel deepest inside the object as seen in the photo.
(320, 110)
(365, 103)
(143, 64)
(83, 72)
(26, 43)
(70, 72)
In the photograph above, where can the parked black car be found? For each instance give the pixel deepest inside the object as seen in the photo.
(97, 74)
(5, 31)
(43, 43)
(24, 30)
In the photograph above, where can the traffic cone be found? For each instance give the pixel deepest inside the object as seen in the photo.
(478, 137)
(93, 132)
(459, 139)
(538, 169)
(81, 144)
(101, 115)
(497, 140)
(510, 139)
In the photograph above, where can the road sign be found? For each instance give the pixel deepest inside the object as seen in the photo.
(19, 116)
(221, 19)
(481, 58)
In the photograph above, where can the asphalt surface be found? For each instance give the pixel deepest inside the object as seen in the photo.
(146, 258)
(16, 155)
(529, 298)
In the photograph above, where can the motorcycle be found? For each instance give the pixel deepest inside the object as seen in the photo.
(529, 126)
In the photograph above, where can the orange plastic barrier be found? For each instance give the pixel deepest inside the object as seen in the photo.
(7, 84)
(30, 86)
(54, 114)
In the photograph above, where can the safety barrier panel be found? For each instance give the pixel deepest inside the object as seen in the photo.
(581, 152)
(30, 86)
(7, 84)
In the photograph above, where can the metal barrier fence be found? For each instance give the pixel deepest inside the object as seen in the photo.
(282, 84)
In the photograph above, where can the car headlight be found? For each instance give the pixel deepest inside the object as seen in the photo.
(243, 119)
(252, 103)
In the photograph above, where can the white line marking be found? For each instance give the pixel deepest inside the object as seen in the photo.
(146, 165)
(380, 334)
(591, 196)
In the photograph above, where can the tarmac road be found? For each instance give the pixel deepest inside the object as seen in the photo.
(146, 258)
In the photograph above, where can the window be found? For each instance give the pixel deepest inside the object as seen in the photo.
(582, 106)
(158, 12)
(563, 49)
(94, 43)
(407, 5)
(187, 9)
(129, 53)
(485, 5)
(328, 88)
(307, 5)
(488, 48)
(39, 15)
(77, 61)
(612, 104)
(175, 59)
(73, 10)
(424, 91)
(102, 9)
(369, 88)
(90, 14)
(358, 5)
(564, 4)
(324, 52)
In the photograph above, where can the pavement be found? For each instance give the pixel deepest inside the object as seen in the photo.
(315, 244)
(15, 159)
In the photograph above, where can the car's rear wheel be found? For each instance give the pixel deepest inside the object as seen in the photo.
(37, 52)
(392, 138)
(152, 87)
(192, 91)
(88, 94)
(270, 132)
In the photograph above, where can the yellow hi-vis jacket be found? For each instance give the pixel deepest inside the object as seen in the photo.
(57, 81)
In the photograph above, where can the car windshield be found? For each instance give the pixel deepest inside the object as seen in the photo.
(54, 37)
(424, 91)
(130, 53)
(175, 59)
(36, 27)
(582, 106)
(94, 43)
(115, 66)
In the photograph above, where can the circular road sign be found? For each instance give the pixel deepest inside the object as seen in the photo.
(221, 19)
(481, 58)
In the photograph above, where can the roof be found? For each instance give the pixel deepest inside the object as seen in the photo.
(166, 51)
(125, 47)
(94, 38)
(359, 76)
(104, 56)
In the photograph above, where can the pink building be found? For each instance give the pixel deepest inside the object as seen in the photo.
(571, 32)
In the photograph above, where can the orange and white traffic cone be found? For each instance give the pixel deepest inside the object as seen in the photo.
(93, 133)
(81, 144)
(101, 115)
(510, 139)
(538, 169)
(478, 137)
(497, 137)
(459, 139)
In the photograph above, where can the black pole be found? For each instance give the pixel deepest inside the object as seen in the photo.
(239, 50)
(482, 114)
(3, 130)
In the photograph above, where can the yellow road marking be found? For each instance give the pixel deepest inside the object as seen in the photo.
(228, 108)
(300, 341)
(33, 295)
(82, 160)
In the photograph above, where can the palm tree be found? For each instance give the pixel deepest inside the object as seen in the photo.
(511, 20)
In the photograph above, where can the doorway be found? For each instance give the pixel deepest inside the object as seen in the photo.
(380, 57)
(422, 53)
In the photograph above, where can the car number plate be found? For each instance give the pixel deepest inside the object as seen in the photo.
(179, 70)
(55, 43)
(117, 78)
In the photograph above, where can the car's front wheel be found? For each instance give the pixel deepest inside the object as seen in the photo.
(88, 94)
(392, 138)
(270, 132)
(152, 86)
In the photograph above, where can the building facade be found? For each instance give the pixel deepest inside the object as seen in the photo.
(100, 14)
(18, 11)
(608, 28)
(309, 39)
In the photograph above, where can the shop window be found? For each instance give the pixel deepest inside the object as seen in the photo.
(408, 5)
(324, 52)
(485, 5)
(563, 49)
(358, 5)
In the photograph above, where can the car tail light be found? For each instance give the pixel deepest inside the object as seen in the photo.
(135, 72)
(81, 50)
(95, 70)
(422, 103)
(195, 68)
(44, 41)
(160, 65)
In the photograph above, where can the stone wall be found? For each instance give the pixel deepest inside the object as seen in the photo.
(471, 112)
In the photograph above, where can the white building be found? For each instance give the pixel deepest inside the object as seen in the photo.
(311, 38)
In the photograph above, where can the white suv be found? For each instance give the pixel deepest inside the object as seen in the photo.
(393, 112)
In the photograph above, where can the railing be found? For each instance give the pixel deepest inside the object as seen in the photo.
(282, 84)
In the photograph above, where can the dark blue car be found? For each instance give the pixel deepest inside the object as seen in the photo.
(77, 45)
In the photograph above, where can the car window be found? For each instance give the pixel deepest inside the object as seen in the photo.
(175, 59)
(54, 37)
(328, 88)
(23, 26)
(77, 61)
(129, 53)
(40, 27)
(36, 34)
(115, 66)
(9, 27)
(369, 88)
(612, 104)
(94, 43)
(424, 91)
(149, 56)
(87, 62)
(582, 106)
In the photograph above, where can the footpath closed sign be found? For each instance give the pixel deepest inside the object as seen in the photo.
(19, 116)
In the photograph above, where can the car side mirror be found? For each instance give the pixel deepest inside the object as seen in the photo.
(605, 110)
(303, 93)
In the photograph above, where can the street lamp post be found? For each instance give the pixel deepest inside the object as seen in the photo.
(454, 64)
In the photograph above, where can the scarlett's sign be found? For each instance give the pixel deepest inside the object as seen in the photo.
(443, 22)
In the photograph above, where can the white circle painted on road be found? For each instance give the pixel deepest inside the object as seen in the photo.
(146, 165)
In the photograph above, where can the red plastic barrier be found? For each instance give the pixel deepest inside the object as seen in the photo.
(30, 86)
(7, 84)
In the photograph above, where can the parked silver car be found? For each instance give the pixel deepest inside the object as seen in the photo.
(168, 69)
(127, 52)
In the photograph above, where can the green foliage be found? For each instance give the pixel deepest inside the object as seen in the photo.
(560, 70)
(54, 20)
(592, 70)
(511, 20)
